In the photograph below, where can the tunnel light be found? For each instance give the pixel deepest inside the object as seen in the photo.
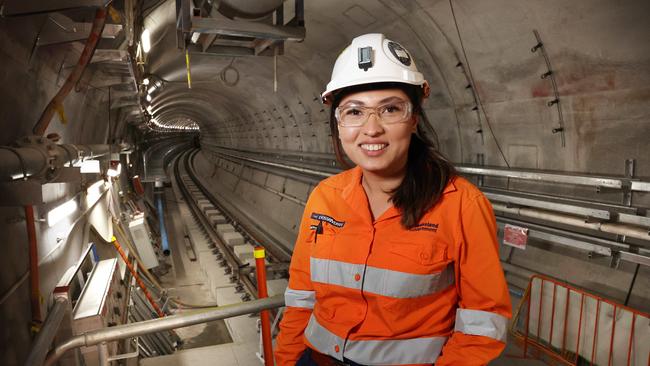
(148, 97)
(114, 172)
(145, 81)
(146, 41)
(90, 166)
(151, 89)
(20, 176)
(60, 212)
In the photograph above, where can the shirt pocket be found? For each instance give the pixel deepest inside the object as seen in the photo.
(428, 253)
(425, 274)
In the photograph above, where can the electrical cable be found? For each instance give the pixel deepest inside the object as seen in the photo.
(471, 77)
(150, 277)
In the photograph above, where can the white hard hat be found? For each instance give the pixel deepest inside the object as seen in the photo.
(372, 58)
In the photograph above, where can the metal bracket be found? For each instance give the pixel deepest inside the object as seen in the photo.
(630, 165)
(220, 35)
(550, 74)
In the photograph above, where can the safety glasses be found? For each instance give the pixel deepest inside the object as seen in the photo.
(352, 115)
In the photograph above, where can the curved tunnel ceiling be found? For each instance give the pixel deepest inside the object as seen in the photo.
(600, 54)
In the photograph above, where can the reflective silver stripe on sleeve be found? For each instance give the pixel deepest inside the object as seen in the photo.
(484, 323)
(299, 298)
(380, 281)
(375, 352)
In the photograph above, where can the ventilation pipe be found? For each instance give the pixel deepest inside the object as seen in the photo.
(36, 157)
(248, 9)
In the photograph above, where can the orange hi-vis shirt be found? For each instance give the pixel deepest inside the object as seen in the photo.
(375, 293)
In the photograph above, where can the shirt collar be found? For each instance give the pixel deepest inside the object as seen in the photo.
(354, 194)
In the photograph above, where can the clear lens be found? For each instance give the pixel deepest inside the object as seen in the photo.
(355, 116)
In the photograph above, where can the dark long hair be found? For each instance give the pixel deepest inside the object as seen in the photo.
(427, 171)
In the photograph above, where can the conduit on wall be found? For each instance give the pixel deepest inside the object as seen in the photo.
(73, 78)
(34, 279)
(161, 219)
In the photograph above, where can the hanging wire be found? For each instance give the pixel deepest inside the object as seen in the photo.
(149, 276)
(473, 84)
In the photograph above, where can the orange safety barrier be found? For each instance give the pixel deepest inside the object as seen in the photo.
(574, 327)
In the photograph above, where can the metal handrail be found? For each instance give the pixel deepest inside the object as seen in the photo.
(156, 325)
(47, 332)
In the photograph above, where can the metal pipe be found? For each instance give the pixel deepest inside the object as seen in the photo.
(606, 227)
(75, 75)
(161, 219)
(34, 279)
(46, 335)
(37, 157)
(102, 350)
(156, 325)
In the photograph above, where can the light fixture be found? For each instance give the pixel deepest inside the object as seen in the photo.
(60, 212)
(145, 81)
(195, 37)
(150, 109)
(148, 97)
(114, 172)
(94, 192)
(146, 41)
(90, 166)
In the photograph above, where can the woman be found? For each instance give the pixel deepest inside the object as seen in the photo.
(396, 261)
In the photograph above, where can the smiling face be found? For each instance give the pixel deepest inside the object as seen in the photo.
(380, 149)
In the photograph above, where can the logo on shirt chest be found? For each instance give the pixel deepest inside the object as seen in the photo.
(425, 226)
(329, 219)
(318, 229)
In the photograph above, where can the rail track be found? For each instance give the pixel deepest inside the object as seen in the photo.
(213, 215)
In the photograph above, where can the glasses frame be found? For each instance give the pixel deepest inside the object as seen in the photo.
(375, 110)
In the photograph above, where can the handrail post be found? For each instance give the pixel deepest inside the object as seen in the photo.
(262, 292)
(102, 349)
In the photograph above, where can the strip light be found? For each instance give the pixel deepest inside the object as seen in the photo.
(60, 212)
(146, 41)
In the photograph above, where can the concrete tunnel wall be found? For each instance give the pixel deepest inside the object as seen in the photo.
(600, 51)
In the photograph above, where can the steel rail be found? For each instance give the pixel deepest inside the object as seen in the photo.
(156, 325)
(230, 258)
(492, 171)
(255, 231)
(606, 227)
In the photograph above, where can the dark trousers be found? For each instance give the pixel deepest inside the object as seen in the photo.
(306, 360)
